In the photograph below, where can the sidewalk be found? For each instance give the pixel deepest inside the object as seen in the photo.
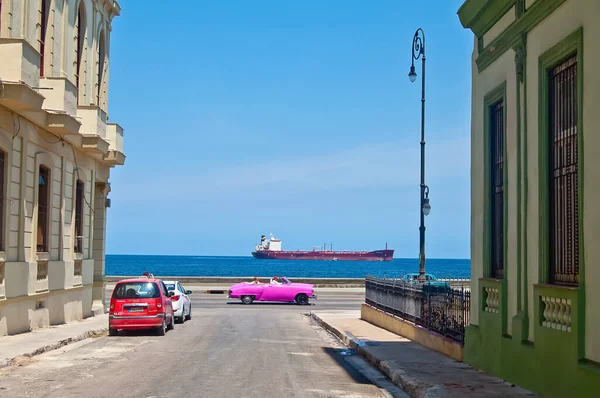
(42, 340)
(420, 371)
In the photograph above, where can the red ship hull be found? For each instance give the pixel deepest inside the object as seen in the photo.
(377, 255)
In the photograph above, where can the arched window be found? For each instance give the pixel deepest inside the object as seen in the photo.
(79, 217)
(45, 14)
(43, 201)
(101, 66)
(2, 180)
(80, 38)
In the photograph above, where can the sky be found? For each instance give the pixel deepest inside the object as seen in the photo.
(295, 118)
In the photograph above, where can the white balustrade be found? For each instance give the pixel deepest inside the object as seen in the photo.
(492, 299)
(557, 313)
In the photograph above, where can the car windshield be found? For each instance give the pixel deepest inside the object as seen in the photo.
(136, 290)
(285, 280)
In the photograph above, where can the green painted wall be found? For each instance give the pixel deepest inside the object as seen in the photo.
(549, 367)
(521, 347)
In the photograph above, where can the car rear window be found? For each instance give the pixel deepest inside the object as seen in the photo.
(170, 286)
(136, 290)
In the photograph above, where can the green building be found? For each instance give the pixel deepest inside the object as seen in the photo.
(535, 192)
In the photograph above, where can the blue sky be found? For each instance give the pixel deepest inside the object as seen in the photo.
(298, 118)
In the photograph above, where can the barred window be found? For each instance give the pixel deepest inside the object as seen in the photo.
(44, 16)
(2, 198)
(43, 202)
(563, 174)
(79, 40)
(79, 217)
(497, 185)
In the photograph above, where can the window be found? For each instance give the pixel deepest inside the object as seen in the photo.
(2, 180)
(45, 13)
(101, 59)
(43, 199)
(497, 186)
(80, 31)
(136, 290)
(164, 289)
(170, 286)
(563, 173)
(79, 217)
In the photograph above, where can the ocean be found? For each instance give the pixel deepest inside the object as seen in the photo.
(126, 265)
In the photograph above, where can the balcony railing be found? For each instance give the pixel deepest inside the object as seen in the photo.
(442, 310)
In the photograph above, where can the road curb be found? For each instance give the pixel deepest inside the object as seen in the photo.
(55, 346)
(414, 387)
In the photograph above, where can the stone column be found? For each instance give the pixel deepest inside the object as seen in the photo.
(99, 245)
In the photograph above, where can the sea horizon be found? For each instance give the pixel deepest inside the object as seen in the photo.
(228, 266)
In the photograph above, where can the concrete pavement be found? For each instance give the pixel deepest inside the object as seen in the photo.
(420, 371)
(39, 341)
(243, 351)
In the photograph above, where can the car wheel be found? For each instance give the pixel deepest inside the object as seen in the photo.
(162, 329)
(112, 332)
(302, 299)
(189, 315)
(171, 324)
(247, 299)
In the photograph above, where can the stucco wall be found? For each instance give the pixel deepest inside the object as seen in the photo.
(564, 21)
(45, 310)
(20, 20)
(501, 71)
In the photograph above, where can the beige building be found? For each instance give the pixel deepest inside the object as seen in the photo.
(535, 258)
(56, 152)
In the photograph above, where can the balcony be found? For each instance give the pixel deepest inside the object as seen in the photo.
(20, 62)
(114, 158)
(61, 123)
(93, 144)
(93, 120)
(60, 94)
(114, 135)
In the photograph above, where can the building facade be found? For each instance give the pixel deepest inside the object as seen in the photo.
(535, 314)
(56, 152)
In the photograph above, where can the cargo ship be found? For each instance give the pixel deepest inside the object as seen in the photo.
(270, 249)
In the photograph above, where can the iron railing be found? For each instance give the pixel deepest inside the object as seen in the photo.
(442, 310)
(497, 141)
(563, 184)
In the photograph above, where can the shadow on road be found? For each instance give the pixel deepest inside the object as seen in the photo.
(337, 354)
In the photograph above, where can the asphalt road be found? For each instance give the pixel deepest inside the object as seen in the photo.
(226, 350)
(340, 299)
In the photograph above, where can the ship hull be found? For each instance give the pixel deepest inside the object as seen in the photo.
(377, 255)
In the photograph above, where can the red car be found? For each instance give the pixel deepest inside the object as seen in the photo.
(142, 303)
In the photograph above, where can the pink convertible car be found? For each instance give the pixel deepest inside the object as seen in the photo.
(284, 290)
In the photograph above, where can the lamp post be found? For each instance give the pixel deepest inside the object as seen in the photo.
(418, 51)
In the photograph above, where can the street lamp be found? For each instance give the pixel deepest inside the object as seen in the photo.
(418, 51)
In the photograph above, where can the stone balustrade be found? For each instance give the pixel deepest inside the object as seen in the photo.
(492, 299)
(557, 313)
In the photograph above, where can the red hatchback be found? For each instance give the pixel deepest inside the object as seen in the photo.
(142, 303)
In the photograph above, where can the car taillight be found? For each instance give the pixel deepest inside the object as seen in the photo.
(158, 303)
(112, 305)
(175, 298)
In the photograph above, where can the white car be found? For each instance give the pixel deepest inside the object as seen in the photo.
(182, 305)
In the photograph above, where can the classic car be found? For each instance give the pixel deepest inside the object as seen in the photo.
(279, 289)
(430, 281)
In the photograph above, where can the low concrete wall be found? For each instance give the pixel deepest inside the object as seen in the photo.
(411, 331)
(201, 280)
